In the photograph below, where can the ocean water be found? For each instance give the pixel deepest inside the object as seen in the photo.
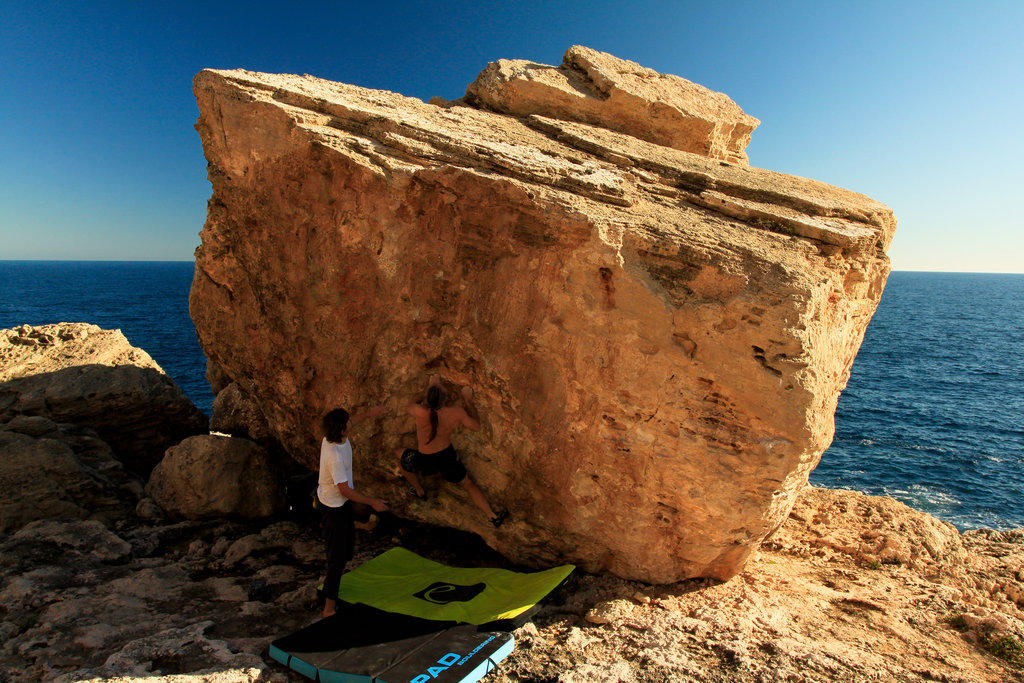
(933, 414)
(147, 301)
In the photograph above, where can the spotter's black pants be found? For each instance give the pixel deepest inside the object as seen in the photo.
(339, 537)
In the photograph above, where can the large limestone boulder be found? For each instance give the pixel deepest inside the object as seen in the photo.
(76, 373)
(657, 339)
(213, 476)
(601, 89)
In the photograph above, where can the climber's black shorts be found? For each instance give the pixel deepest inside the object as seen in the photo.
(446, 462)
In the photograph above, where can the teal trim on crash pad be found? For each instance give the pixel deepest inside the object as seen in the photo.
(279, 654)
(342, 677)
(363, 644)
(304, 668)
(491, 663)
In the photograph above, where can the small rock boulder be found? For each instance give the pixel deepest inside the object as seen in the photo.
(212, 476)
(235, 413)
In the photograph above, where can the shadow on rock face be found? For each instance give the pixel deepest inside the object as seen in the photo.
(60, 471)
(138, 411)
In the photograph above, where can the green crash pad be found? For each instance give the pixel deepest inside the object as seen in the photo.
(404, 619)
(401, 581)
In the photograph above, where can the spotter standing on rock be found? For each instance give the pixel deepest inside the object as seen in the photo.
(335, 491)
(434, 452)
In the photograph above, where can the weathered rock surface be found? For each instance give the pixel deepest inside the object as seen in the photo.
(83, 416)
(135, 603)
(826, 599)
(83, 602)
(216, 476)
(601, 89)
(236, 414)
(656, 339)
(75, 373)
(53, 471)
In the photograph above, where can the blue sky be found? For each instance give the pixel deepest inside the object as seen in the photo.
(916, 104)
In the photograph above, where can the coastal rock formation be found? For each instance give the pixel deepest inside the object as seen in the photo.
(75, 373)
(600, 89)
(216, 476)
(83, 602)
(656, 338)
(55, 471)
(83, 417)
(806, 608)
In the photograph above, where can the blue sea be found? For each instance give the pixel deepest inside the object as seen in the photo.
(933, 414)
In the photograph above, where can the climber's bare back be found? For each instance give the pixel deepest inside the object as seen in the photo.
(449, 418)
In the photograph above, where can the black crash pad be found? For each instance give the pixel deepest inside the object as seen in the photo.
(362, 644)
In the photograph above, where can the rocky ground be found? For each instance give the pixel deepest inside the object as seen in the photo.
(837, 595)
(851, 588)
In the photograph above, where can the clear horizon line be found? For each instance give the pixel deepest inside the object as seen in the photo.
(60, 260)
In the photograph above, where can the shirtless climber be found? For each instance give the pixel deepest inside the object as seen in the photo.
(434, 453)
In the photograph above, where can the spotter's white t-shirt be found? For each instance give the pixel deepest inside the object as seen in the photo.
(335, 468)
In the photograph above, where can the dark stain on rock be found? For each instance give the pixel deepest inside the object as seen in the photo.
(609, 287)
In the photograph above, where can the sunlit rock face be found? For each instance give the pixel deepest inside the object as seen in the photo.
(657, 338)
(600, 89)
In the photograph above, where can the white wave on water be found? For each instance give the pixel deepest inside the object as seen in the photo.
(924, 497)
